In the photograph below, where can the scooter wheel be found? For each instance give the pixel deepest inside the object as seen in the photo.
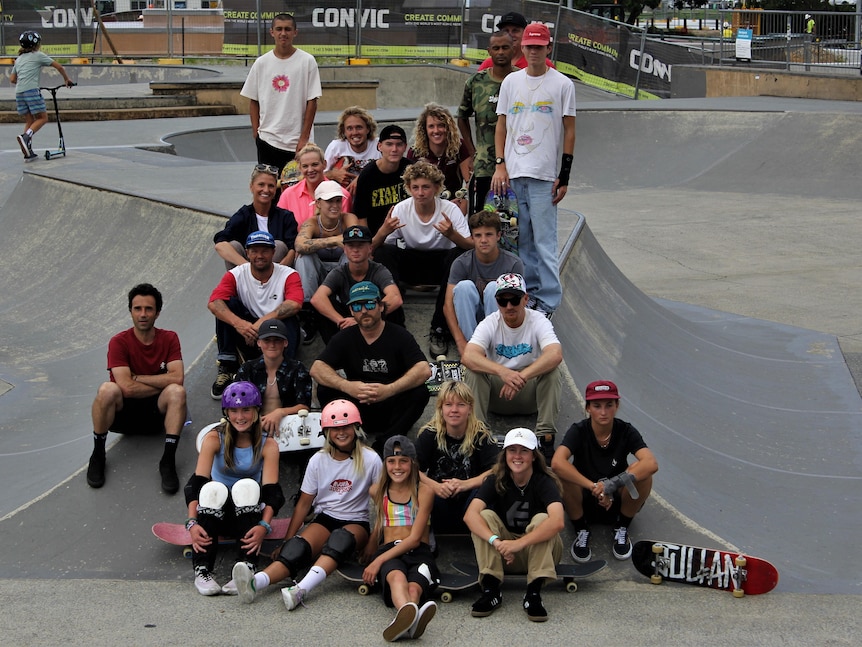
(47, 155)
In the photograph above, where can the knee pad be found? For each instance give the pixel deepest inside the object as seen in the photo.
(245, 492)
(295, 554)
(340, 545)
(272, 495)
(212, 495)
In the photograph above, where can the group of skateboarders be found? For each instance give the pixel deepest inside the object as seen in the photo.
(378, 221)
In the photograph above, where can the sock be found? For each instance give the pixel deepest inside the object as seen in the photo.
(261, 581)
(624, 520)
(315, 576)
(30, 132)
(99, 440)
(171, 442)
(579, 524)
(490, 583)
(535, 587)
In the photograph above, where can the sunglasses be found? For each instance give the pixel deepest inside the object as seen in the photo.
(357, 306)
(505, 301)
(355, 233)
(266, 168)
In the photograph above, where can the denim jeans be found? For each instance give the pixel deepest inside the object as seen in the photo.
(470, 307)
(537, 240)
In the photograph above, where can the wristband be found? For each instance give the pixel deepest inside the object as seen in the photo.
(265, 525)
(190, 522)
(565, 169)
(492, 538)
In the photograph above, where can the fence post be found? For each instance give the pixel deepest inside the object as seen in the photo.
(640, 64)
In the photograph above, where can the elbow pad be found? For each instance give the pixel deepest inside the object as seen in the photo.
(193, 487)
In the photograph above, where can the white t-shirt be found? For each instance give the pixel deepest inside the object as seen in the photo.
(534, 108)
(282, 87)
(339, 148)
(422, 235)
(338, 491)
(514, 348)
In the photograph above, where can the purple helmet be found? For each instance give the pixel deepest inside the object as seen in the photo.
(240, 394)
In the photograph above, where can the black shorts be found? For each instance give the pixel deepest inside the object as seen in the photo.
(331, 523)
(594, 513)
(139, 416)
(409, 564)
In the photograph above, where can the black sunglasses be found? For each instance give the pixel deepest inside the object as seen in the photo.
(504, 301)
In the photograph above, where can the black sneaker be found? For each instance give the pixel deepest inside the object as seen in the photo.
(96, 469)
(437, 343)
(170, 481)
(622, 544)
(487, 604)
(534, 607)
(307, 326)
(581, 547)
(546, 445)
(225, 376)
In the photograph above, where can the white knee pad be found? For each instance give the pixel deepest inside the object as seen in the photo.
(213, 495)
(245, 492)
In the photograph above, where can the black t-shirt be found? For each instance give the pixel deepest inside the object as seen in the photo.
(391, 355)
(451, 463)
(377, 192)
(594, 462)
(516, 508)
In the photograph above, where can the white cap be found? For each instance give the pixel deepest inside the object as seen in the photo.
(521, 436)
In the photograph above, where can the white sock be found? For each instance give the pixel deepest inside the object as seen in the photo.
(30, 132)
(315, 576)
(261, 581)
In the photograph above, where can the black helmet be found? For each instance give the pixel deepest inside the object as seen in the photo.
(29, 39)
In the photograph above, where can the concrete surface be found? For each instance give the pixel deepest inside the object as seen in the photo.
(660, 189)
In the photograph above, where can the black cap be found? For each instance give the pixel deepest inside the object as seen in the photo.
(512, 18)
(272, 328)
(399, 446)
(393, 132)
(356, 234)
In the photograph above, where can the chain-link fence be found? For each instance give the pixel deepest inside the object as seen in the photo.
(631, 60)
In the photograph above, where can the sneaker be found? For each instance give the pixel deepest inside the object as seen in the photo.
(401, 624)
(31, 156)
(170, 481)
(437, 343)
(581, 547)
(534, 607)
(293, 596)
(426, 613)
(307, 326)
(622, 543)
(230, 588)
(243, 579)
(546, 445)
(24, 141)
(205, 583)
(225, 376)
(538, 306)
(487, 604)
(96, 469)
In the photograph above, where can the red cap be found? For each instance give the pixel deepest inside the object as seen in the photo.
(602, 390)
(536, 34)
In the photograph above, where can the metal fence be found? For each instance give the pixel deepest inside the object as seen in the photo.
(631, 60)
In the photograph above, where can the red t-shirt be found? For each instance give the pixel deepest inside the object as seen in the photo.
(125, 349)
(521, 63)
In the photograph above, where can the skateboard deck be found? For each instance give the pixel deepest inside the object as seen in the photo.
(290, 174)
(296, 432)
(448, 583)
(506, 206)
(442, 370)
(715, 569)
(568, 573)
(176, 534)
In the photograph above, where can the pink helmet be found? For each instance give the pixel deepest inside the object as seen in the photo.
(339, 413)
(240, 394)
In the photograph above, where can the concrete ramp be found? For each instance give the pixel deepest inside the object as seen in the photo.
(748, 418)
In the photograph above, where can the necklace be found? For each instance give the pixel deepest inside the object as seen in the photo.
(538, 85)
(521, 489)
(270, 382)
(333, 228)
(607, 441)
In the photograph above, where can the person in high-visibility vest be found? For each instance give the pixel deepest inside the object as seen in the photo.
(809, 24)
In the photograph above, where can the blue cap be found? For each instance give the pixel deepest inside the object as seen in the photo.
(363, 291)
(260, 238)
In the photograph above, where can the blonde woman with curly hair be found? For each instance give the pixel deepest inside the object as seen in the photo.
(437, 140)
(455, 451)
(354, 147)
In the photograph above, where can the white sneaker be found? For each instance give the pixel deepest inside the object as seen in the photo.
(293, 596)
(402, 623)
(425, 615)
(230, 588)
(243, 579)
(205, 583)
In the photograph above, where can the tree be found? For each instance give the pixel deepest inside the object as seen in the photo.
(630, 9)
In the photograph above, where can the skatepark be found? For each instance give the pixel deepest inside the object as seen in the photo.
(709, 254)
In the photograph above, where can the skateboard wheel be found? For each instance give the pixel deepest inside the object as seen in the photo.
(738, 593)
(513, 221)
(364, 589)
(657, 549)
(740, 561)
(302, 413)
(446, 597)
(441, 358)
(187, 552)
(304, 441)
(571, 587)
(655, 579)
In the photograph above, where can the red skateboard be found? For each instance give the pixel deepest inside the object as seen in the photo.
(176, 534)
(715, 569)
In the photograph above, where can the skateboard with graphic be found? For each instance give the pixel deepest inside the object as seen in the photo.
(448, 584)
(297, 432)
(715, 569)
(176, 534)
(568, 573)
(290, 174)
(506, 206)
(442, 370)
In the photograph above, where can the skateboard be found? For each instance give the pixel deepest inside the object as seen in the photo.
(176, 534)
(442, 370)
(506, 206)
(290, 174)
(715, 569)
(297, 432)
(568, 573)
(448, 584)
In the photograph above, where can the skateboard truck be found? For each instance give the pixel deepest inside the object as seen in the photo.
(302, 432)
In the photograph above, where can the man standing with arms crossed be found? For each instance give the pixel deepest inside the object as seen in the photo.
(535, 110)
(283, 87)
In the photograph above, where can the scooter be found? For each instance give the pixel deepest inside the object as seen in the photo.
(61, 150)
